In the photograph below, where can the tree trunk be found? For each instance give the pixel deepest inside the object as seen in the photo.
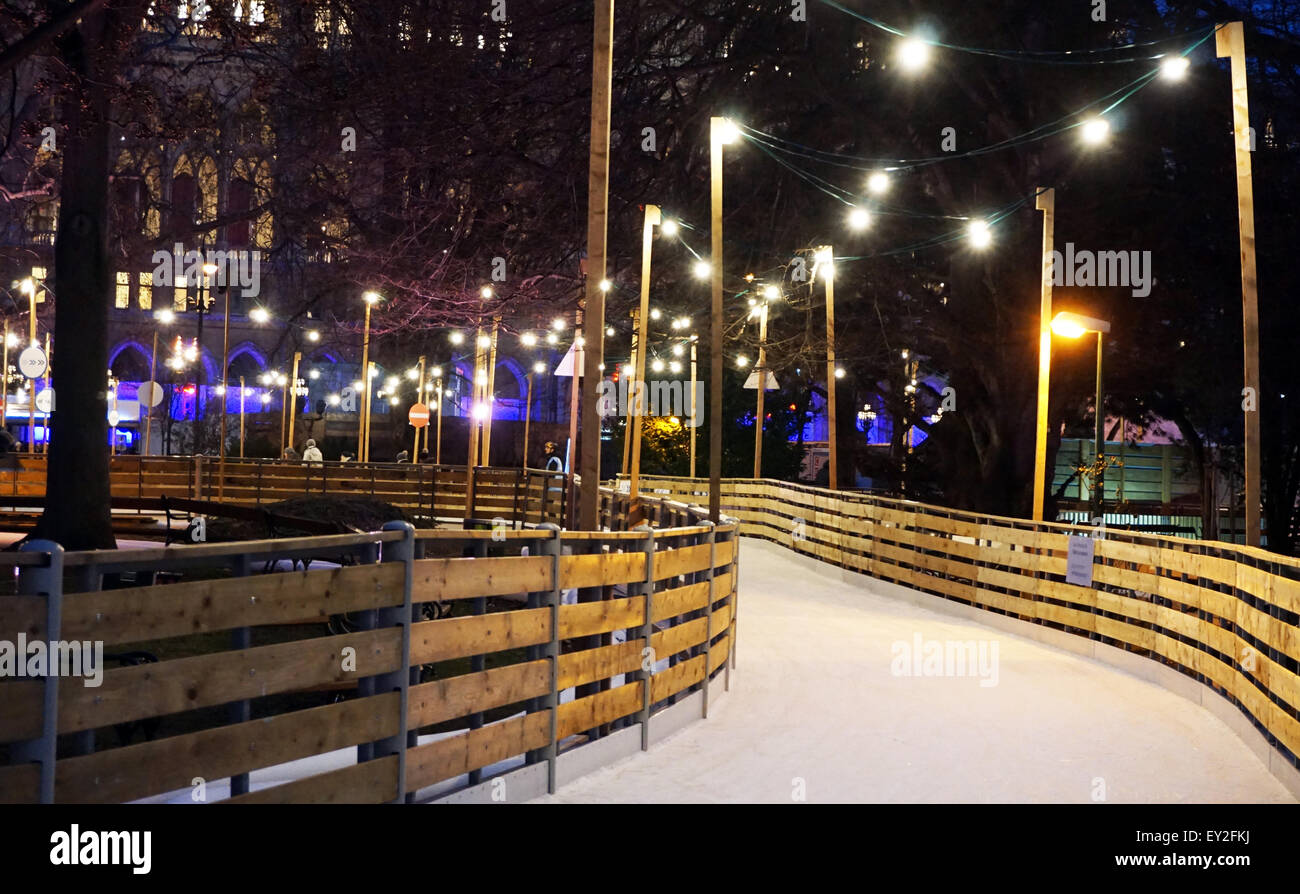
(78, 510)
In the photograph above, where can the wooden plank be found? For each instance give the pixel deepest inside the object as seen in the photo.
(686, 560)
(149, 768)
(603, 707)
(374, 782)
(148, 690)
(601, 569)
(20, 784)
(442, 579)
(456, 755)
(22, 614)
(203, 606)
(587, 618)
(601, 663)
(680, 600)
(676, 678)
(447, 699)
(479, 634)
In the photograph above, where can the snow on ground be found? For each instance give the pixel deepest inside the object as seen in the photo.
(815, 707)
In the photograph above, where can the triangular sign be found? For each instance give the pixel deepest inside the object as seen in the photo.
(566, 365)
(752, 381)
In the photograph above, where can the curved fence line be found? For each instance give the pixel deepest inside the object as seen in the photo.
(413, 665)
(1227, 616)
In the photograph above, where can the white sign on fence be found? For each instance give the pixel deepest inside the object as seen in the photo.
(1078, 565)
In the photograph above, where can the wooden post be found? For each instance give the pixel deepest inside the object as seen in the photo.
(225, 390)
(4, 389)
(31, 401)
(365, 388)
(528, 417)
(293, 394)
(153, 368)
(419, 398)
(284, 408)
(579, 361)
(1046, 203)
(1230, 41)
(471, 453)
(832, 468)
(627, 435)
(241, 417)
(49, 365)
(695, 413)
(653, 217)
(489, 394)
(602, 74)
(760, 373)
(438, 445)
(716, 321)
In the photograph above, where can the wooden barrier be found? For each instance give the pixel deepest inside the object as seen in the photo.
(518, 671)
(1228, 616)
(423, 490)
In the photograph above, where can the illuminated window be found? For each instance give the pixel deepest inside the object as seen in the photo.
(180, 298)
(123, 296)
(146, 290)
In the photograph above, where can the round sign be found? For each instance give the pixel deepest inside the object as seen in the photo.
(113, 418)
(45, 401)
(150, 393)
(32, 362)
(419, 415)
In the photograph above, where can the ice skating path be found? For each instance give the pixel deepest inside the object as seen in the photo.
(815, 709)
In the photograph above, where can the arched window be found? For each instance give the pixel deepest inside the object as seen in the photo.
(181, 214)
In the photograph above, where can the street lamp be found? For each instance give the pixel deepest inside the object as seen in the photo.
(1070, 325)
(363, 426)
(722, 132)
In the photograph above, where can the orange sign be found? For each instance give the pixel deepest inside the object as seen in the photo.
(419, 415)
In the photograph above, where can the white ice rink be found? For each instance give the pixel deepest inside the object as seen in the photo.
(815, 708)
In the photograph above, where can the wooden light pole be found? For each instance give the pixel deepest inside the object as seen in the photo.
(760, 378)
(695, 413)
(653, 217)
(602, 74)
(1046, 203)
(721, 132)
(438, 441)
(241, 417)
(627, 437)
(489, 394)
(826, 256)
(528, 417)
(148, 419)
(1230, 41)
(363, 428)
(420, 397)
(293, 393)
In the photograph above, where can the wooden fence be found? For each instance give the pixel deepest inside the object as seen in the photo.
(416, 660)
(1228, 616)
(424, 490)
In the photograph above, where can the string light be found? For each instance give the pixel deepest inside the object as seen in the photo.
(878, 183)
(980, 235)
(1095, 131)
(859, 219)
(1175, 68)
(668, 228)
(702, 269)
(913, 54)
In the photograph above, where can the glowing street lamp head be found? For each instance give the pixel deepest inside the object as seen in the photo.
(210, 269)
(1095, 131)
(552, 338)
(657, 365)
(606, 285)
(413, 373)
(772, 293)
(610, 332)
(485, 292)
(333, 400)
(702, 269)
(839, 372)
(859, 219)
(166, 317)
(259, 315)
(436, 372)
(371, 298)
(678, 350)
(655, 314)
(913, 54)
(725, 131)
(484, 341)
(981, 236)
(539, 367)
(266, 398)
(1072, 325)
(1175, 68)
(674, 367)
(878, 183)
(742, 361)
(456, 338)
(480, 411)
(668, 228)
(528, 339)
(558, 324)
(313, 335)
(27, 286)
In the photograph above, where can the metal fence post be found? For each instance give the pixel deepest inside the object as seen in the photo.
(240, 638)
(646, 677)
(399, 680)
(478, 663)
(708, 615)
(45, 580)
(554, 548)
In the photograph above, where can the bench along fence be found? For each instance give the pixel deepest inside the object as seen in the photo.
(415, 662)
(1227, 616)
(422, 489)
